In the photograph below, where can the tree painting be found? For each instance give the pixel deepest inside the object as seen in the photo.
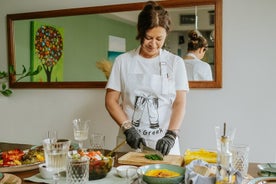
(48, 52)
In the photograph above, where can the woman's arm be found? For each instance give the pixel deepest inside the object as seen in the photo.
(178, 110)
(112, 105)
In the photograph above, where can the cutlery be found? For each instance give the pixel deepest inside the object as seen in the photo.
(148, 150)
(117, 147)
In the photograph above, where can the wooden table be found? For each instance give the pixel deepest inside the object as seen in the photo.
(26, 174)
(252, 171)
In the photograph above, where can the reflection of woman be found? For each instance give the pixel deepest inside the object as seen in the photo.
(196, 69)
(151, 84)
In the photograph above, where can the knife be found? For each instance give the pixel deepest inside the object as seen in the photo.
(148, 150)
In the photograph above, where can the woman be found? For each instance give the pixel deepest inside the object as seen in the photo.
(197, 70)
(152, 85)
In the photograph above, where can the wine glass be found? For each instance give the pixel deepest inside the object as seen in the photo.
(55, 155)
(81, 128)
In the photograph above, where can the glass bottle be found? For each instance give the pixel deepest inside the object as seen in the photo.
(224, 166)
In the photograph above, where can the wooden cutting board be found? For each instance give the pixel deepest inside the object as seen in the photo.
(138, 158)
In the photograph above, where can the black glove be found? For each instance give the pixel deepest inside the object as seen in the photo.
(133, 138)
(165, 144)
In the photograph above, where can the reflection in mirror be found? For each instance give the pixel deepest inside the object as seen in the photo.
(85, 39)
(69, 61)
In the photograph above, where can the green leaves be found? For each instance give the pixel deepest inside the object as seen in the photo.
(5, 91)
(4, 75)
(24, 72)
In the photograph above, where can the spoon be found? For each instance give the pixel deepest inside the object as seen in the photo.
(117, 147)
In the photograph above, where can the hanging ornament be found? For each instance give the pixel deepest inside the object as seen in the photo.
(212, 36)
(196, 19)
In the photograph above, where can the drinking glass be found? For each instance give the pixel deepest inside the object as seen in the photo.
(97, 142)
(77, 171)
(55, 155)
(52, 134)
(81, 128)
(240, 154)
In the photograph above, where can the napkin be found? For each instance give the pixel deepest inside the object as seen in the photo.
(111, 177)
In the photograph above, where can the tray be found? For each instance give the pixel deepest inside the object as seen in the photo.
(267, 167)
(263, 180)
(20, 168)
(23, 167)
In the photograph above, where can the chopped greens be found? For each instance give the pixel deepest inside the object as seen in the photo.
(153, 157)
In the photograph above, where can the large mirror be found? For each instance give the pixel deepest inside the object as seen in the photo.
(85, 36)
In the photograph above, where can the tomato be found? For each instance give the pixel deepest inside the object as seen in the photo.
(12, 157)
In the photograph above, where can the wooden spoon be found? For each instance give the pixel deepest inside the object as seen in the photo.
(117, 147)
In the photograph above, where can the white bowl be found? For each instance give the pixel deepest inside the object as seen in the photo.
(122, 170)
(45, 172)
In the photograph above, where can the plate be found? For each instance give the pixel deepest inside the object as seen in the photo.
(10, 178)
(267, 167)
(23, 167)
(263, 180)
(20, 168)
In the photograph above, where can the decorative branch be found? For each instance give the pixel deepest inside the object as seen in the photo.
(105, 66)
(4, 77)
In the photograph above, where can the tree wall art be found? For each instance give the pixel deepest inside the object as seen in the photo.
(47, 51)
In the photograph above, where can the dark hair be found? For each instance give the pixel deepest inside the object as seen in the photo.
(152, 15)
(196, 41)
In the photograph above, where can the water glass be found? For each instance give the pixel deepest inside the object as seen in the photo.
(55, 155)
(240, 154)
(97, 141)
(77, 171)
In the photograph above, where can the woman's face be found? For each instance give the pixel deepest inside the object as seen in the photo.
(153, 41)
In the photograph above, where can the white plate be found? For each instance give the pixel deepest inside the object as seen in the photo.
(263, 180)
(267, 167)
(10, 178)
(19, 168)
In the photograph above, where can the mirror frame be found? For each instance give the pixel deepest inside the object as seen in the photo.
(216, 83)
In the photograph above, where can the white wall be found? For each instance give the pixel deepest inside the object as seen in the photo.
(246, 101)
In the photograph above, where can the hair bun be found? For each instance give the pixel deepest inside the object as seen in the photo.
(150, 5)
(194, 34)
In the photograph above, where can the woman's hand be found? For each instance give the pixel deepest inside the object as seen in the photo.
(133, 138)
(165, 144)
